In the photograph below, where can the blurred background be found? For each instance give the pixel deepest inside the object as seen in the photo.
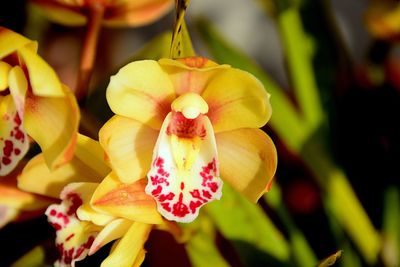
(333, 71)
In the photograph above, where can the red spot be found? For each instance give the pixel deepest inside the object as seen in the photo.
(206, 194)
(186, 128)
(17, 119)
(182, 186)
(69, 237)
(159, 162)
(6, 161)
(179, 209)
(8, 148)
(156, 191)
(213, 186)
(56, 226)
(19, 135)
(163, 198)
(17, 151)
(155, 180)
(166, 206)
(76, 201)
(196, 194)
(194, 206)
(53, 212)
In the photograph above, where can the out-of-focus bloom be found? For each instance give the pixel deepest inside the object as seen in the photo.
(383, 19)
(33, 103)
(94, 210)
(116, 12)
(18, 205)
(183, 123)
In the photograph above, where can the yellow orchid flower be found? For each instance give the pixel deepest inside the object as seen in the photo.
(183, 123)
(116, 12)
(94, 210)
(33, 104)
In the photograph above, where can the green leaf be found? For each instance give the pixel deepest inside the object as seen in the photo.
(299, 55)
(302, 254)
(245, 223)
(34, 258)
(201, 247)
(391, 231)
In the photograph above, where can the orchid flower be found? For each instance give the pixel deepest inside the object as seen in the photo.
(33, 104)
(95, 209)
(183, 123)
(116, 12)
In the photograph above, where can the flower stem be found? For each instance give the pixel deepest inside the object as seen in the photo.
(95, 17)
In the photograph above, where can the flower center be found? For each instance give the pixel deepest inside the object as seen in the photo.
(190, 104)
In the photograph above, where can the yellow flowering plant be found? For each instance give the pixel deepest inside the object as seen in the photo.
(88, 217)
(183, 123)
(32, 99)
(180, 144)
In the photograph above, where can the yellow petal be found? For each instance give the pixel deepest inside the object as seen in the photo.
(184, 173)
(236, 99)
(11, 41)
(14, 143)
(36, 176)
(112, 231)
(129, 146)
(85, 212)
(15, 204)
(53, 123)
(11, 196)
(141, 91)
(136, 13)
(4, 71)
(125, 200)
(42, 77)
(18, 87)
(90, 153)
(190, 74)
(247, 161)
(130, 247)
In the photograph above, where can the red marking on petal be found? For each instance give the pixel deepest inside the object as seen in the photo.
(69, 237)
(53, 212)
(182, 185)
(186, 128)
(8, 148)
(17, 120)
(17, 151)
(213, 186)
(6, 161)
(194, 206)
(76, 201)
(168, 196)
(166, 206)
(180, 209)
(206, 194)
(156, 191)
